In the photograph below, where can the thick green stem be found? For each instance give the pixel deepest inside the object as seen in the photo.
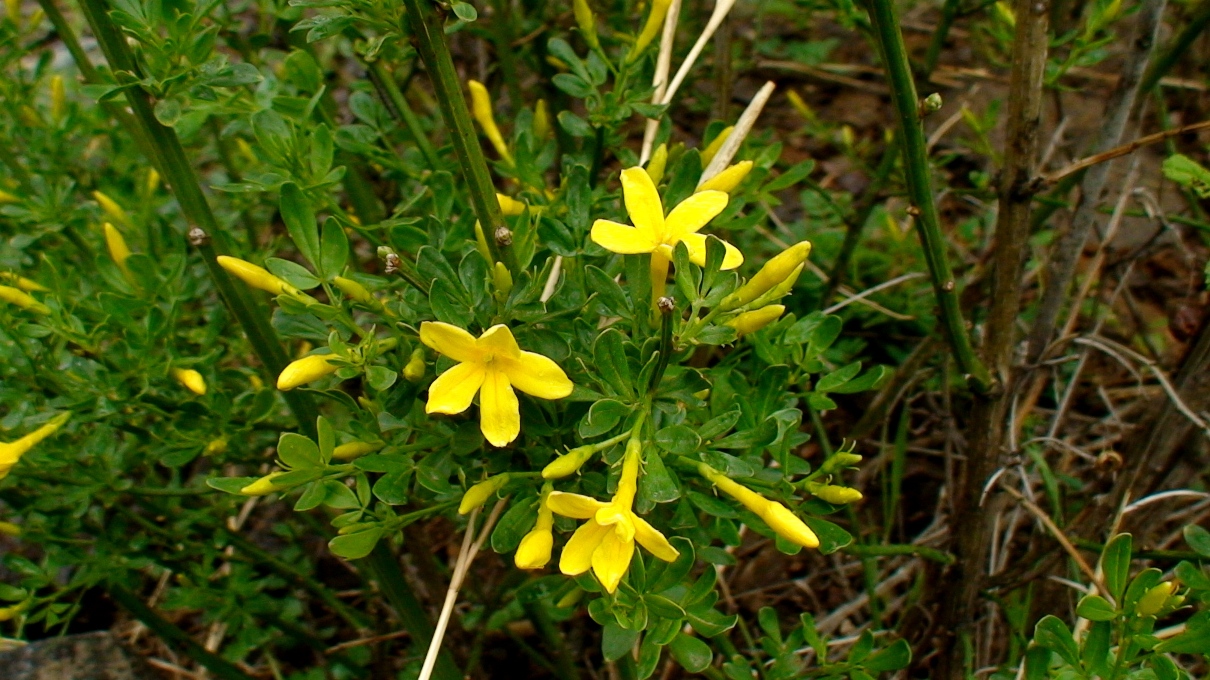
(397, 104)
(175, 637)
(384, 569)
(167, 150)
(920, 191)
(427, 26)
(1197, 23)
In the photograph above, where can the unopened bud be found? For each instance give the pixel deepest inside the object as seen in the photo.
(478, 494)
(568, 463)
(119, 252)
(750, 322)
(23, 283)
(655, 20)
(775, 271)
(191, 379)
(587, 22)
(838, 461)
(216, 446)
(306, 370)
(728, 179)
(354, 291)
(110, 207)
(263, 486)
(800, 106)
(481, 109)
(1153, 600)
(836, 495)
(353, 450)
(257, 277)
(58, 99)
(510, 206)
(657, 164)
(20, 298)
(503, 281)
(541, 125)
(717, 143)
(9, 529)
(6, 197)
(414, 370)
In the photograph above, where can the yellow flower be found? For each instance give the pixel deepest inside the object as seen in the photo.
(110, 207)
(750, 322)
(119, 252)
(22, 299)
(777, 516)
(481, 109)
(728, 179)
(605, 543)
(479, 494)
(12, 452)
(492, 366)
(305, 370)
(652, 232)
(510, 206)
(191, 379)
(535, 547)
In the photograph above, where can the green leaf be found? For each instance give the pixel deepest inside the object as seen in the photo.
(229, 484)
(831, 536)
(300, 221)
(672, 574)
(356, 545)
(1095, 608)
(1115, 565)
(1198, 539)
(607, 291)
(297, 452)
(465, 11)
(617, 641)
(337, 495)
(574, 125)
(1095, 652)
(691, 653)
(292, 273)
(1188, 173)
(609, 353)
(870, 380)
(381, 378)
(678, 439)
(657, 484)
(334, 249)
(790, 177)
(312, 497)
(1053, 634)
(168, 111)
(893, 658)
(327, 438)
(837, 378)
(602, 417)
(513, 525)
(1037, 662)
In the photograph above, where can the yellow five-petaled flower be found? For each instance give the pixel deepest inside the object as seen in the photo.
(491, 366)
(606, 541)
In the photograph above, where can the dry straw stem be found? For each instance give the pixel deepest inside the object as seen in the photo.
(722, 158)
(1128, 148)
(663, 66)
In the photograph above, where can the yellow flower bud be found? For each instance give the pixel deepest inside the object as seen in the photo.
(6, 197)
(655, 20)
(779, 291)
(216, 446)
(509, 205)
(414, 370)
(847, 138)
(257, 277)
(152, 182)
(13, 9)
(355, 291)
(58, 98)
(838, 460)
(541, 125)
(1153, 600)
(535, 547)
(775, 271)
(10, 612)
(305, 370)
(481, 243)
(568, 463)
(245, 149)
(353, 450)
(118, 250)
(191, 379)
(478, 494)
(1005, 11)
(481, 109)
(777, 516)
(800, 106)
(12, 452)
(587, 22)
(503, 281)
(9, 529)
(717, 143)
(263, 486)
(23, 283)
(22, 299)
(836, 495)
(728, 179)
(110, 207)
(657, 164)
(750, 322)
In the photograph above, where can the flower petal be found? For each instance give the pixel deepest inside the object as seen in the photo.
(499, 342)
(619, 238)
(450, 340)
(642, 200)
(453, 390)
(573, 505)
(697, 251)
(649, 537)
(611, 559)
(499, 413)
(537, 375)
(577, 554)
(693, 213)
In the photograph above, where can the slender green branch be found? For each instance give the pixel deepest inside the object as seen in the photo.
(920, 191)
(1196, 24)
(397, 104)
(175, 637)
(931, 554)
(949, 12)
(427, 26)
(861, 214)
(167, 150)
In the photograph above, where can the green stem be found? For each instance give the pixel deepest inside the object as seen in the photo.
(949, 12)
(427, 26)
(931, 554)
(175, 637)
(389, 90)
(167, 150)
(920, 191)
(564, 662)
(1194, 27)
(855, 225)
(384, 568)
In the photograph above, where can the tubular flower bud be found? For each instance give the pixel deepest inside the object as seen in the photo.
(839, 460)
(1153, 600)
(58, 98)
(836, 495)
(775, 271)
(503, 281)
(728, 179)
(568, 463)
(478, 494)
(9, 529)
(481, 243)
(354, 291)
(22, 299)
(587, 23)
(354, 450)
(119, 252)
(216, 446)
(305, 370)
(541, 124)
(12, 611)
(779, 291)
(655, 20)
(191, 379)
(11, 453)
(509, 205)
(257, 277)
(6, 197)
(716, 144)
(414, 370)
(153, 181)
(110, 207)
(263, 486)
(23, 283)
(13, 9)
(777, 516)
(657, 164)
(799, 105)
(750, 322)
(535, 547)
(481, 108)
